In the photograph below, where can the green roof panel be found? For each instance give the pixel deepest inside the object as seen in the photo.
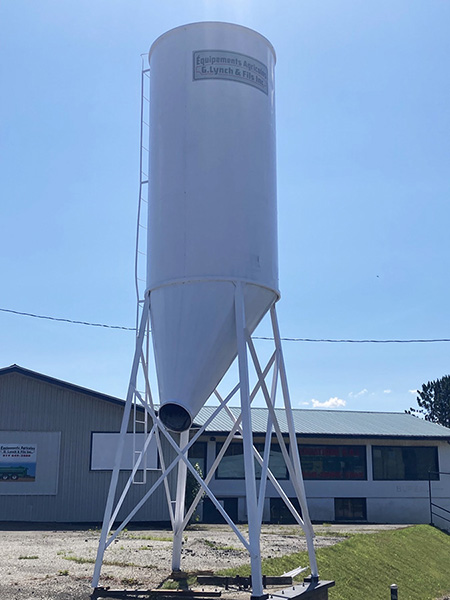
(310, 422)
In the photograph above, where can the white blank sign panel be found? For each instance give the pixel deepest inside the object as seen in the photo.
(104, 446)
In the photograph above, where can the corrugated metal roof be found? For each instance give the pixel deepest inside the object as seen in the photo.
(308, 422)
(333, 423)
(59, 382)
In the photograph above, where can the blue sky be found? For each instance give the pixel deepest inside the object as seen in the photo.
(363, 145)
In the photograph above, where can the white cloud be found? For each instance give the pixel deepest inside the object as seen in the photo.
(413, 392)
(358, 394)
(331, 403)
(304, 403)
(387, 391)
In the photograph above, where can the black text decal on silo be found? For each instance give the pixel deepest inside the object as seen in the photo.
(221, 64)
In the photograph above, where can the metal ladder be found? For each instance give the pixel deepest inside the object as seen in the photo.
(140, 418)
(140, 262)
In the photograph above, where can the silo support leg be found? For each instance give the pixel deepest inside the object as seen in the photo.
(120, 446)
(179, 506)
(298, 482)
(254, 526)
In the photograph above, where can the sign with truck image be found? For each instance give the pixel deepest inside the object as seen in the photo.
(18, 462)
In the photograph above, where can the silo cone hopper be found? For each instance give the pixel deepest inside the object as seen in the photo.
(194, 339)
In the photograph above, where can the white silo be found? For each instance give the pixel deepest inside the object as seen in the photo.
(212, 218)
(212, 274)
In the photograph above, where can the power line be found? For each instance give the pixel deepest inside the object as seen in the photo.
(285, 339)
(26, 314)
(412, 341)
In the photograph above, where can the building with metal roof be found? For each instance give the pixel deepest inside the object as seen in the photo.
(377, 467)
(57, 448)
(61, 437)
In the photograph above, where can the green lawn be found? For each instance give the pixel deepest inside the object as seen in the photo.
(363, 566)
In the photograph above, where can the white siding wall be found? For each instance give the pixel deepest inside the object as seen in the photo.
(387, 501)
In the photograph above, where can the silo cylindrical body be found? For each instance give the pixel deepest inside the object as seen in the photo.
(212, 204)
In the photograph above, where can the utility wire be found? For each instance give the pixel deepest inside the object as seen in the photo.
(413, 341)
(25, 314)
(285, 339)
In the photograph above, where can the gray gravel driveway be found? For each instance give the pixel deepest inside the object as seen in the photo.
(57, 564)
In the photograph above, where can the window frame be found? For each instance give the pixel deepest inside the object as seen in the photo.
(339, 446)
(353, 519)
(260, 447)
(194, 459)
(403, 447)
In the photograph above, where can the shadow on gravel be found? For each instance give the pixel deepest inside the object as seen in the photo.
(25, 526)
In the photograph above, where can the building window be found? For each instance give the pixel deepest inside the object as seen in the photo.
(404, 463)
(333, 462)
(350, 509)
(212, 515)
(197, 455)
(279, 512)
(232, 464)
(276, 462)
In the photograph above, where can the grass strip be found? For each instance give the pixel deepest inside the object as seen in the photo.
(365, 565)
(91, 561)
(153, 538)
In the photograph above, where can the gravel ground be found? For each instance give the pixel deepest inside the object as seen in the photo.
(57, 564)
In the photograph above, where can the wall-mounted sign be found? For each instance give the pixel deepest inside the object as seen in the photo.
(23, 470)
(18, 462)
(222, 64)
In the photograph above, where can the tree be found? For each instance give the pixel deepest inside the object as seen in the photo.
(434, 401)
(192, 489)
